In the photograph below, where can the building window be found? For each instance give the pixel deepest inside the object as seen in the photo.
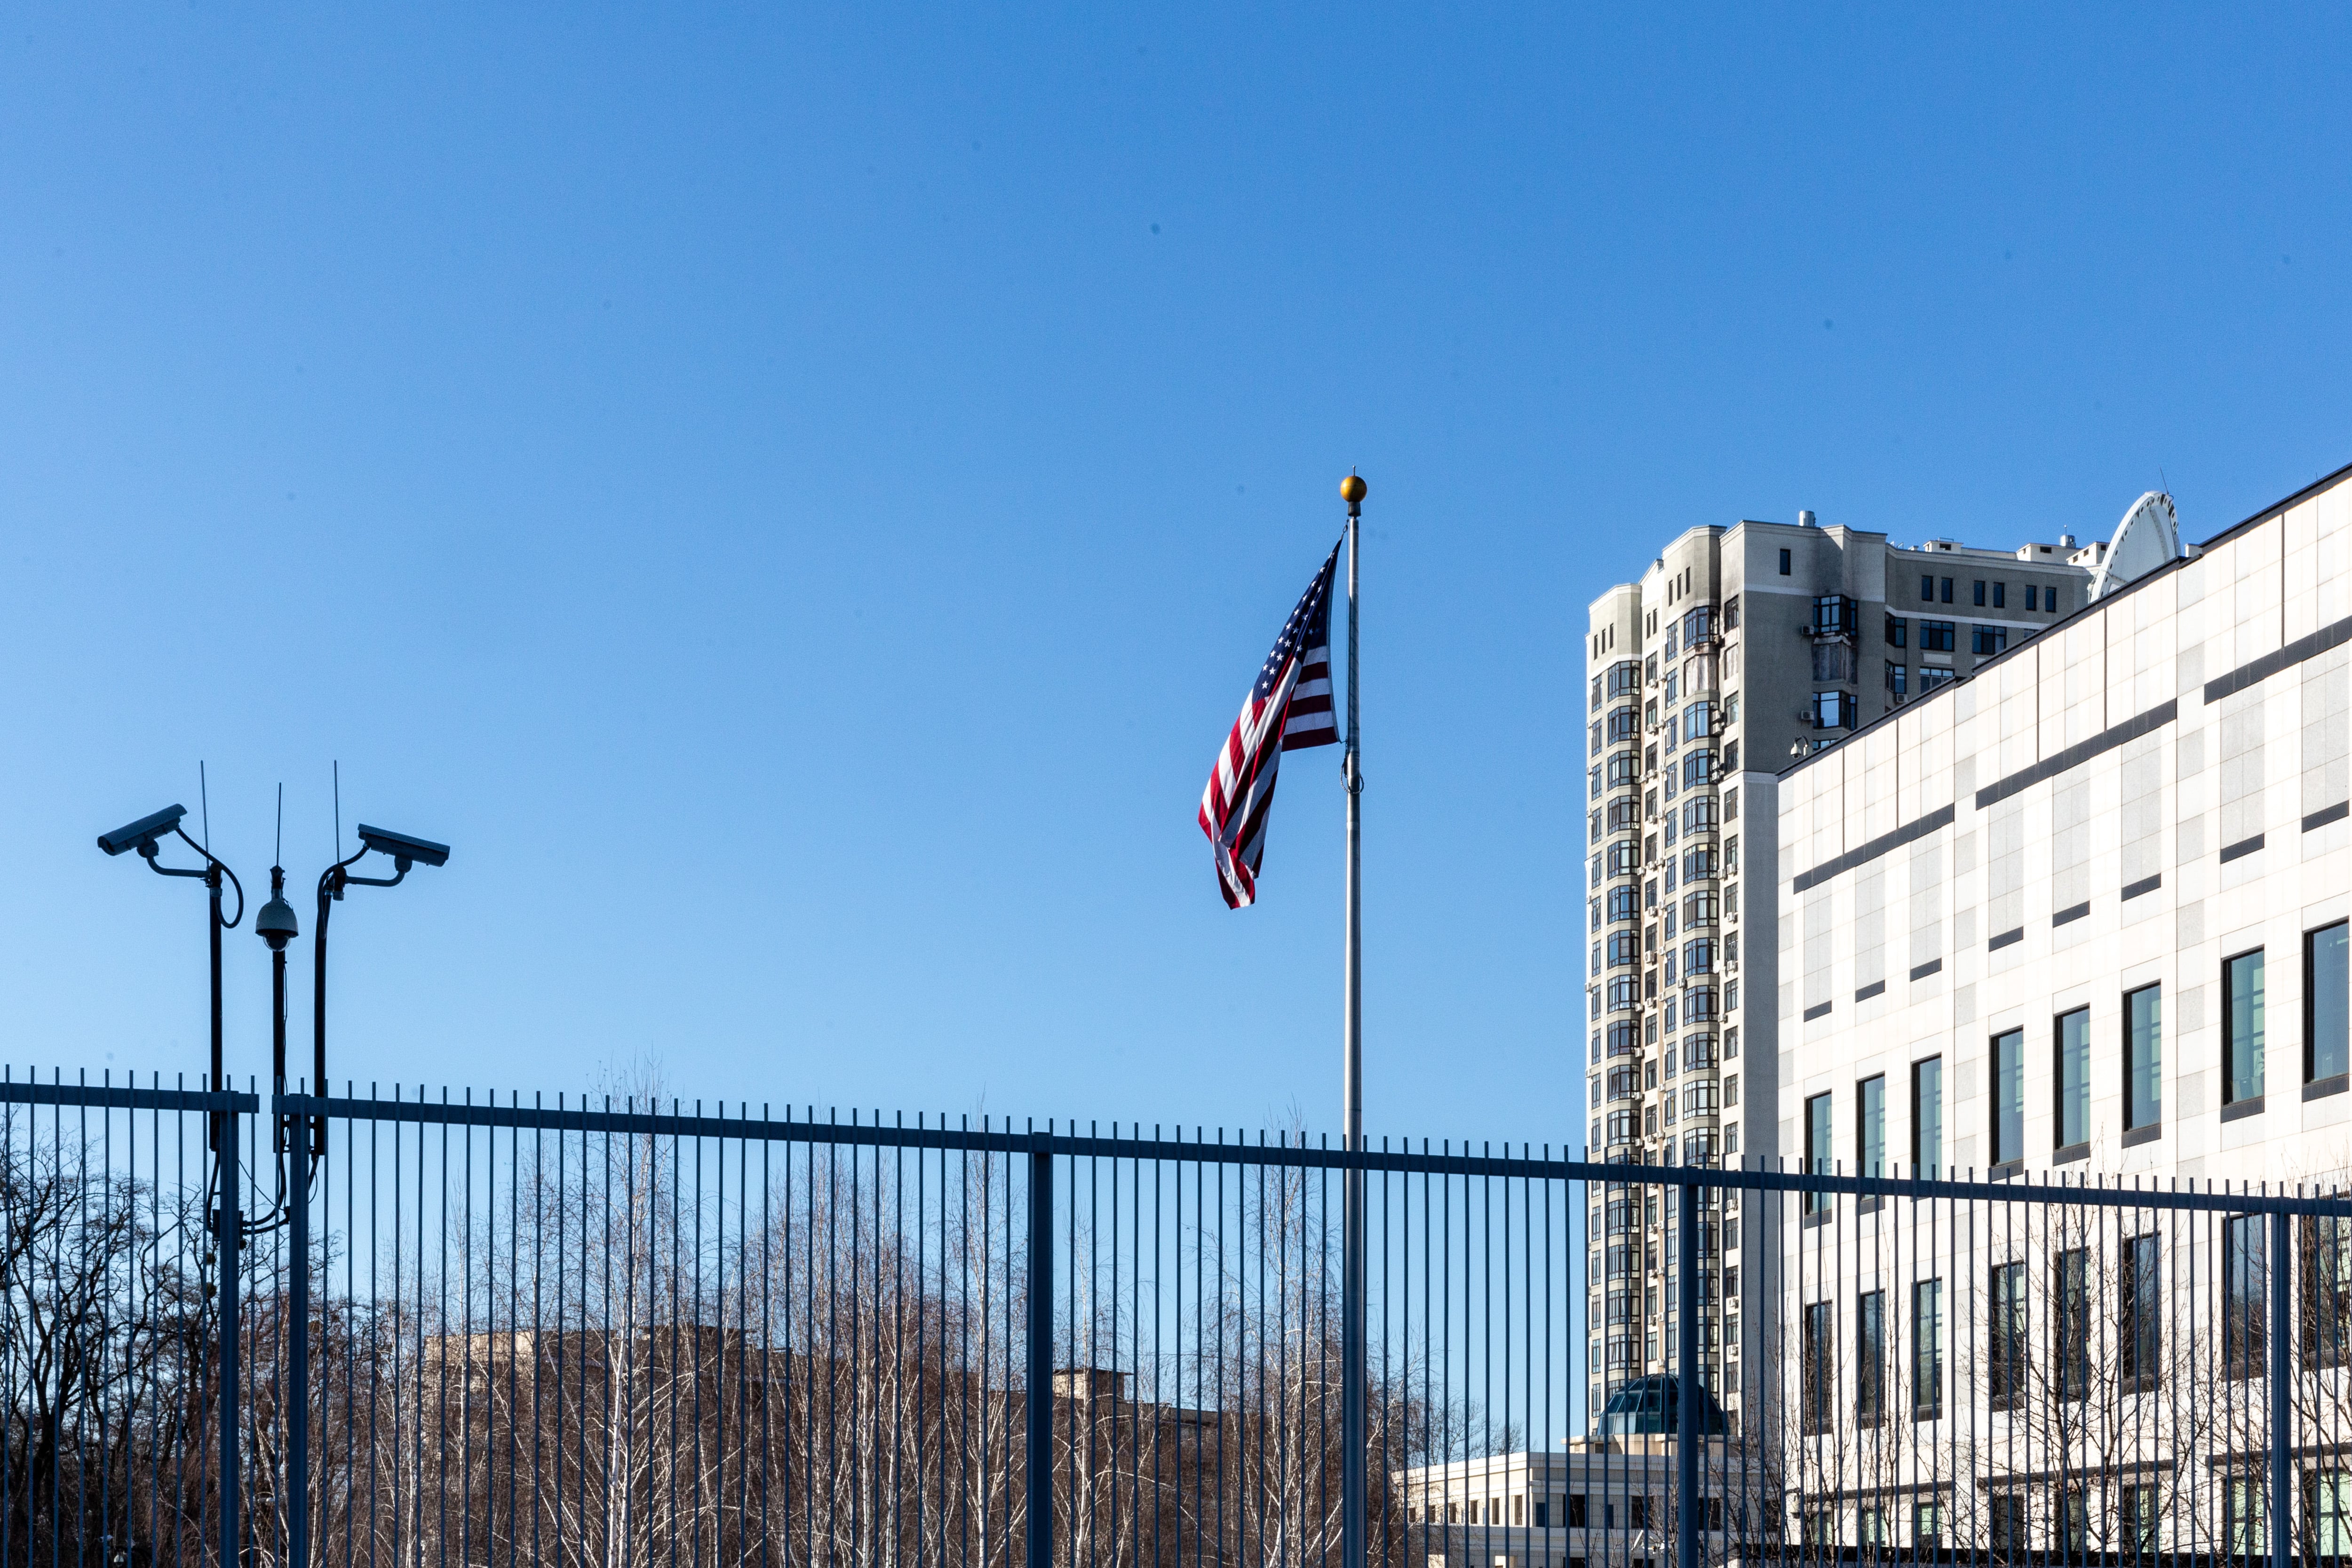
(2009, 1097)
(1870, 1126)
(2001, 596)
(1784, 563)
(1835, 709)
(2241, 1028)
(1624, 724)
(2328, 1513)
(2143, 1057)
(2070, 1322)
(1698, 721)
(1835, 615)
(2326, 1291)
(2326, 1050)
(2241, 1517)
(1939, 636)
(2245, 1287)
(1927, 1118)
(2010, 1527)
(1870, 1359)
(2074, 1078)
(1624, 904)
(1625, 677)
(1624, 771)
(1979, 588)
(1932, 676)
(1948, 590)
(1896, 684)
(1698, 770)
(1926, 590)
(1818, 1147)
(1927, 1349)
(2032, 598)
(1928, 1524)
(2005, 1337)
(1990, 640)
(1833, 661)
(1820, 1370)
(2136, 1513)
(1898, 633)
(2139, 1340)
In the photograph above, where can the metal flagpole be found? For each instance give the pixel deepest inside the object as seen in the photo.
(1351, 1306)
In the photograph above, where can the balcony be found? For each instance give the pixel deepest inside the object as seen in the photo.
(1836, 617)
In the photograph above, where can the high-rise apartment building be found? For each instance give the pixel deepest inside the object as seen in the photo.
(1739, 649)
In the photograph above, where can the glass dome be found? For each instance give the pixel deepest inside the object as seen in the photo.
(1647, 1404)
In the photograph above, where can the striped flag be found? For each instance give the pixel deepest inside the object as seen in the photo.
(1289, 708)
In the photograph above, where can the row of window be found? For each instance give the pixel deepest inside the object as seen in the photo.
(1943, 637)
(2043, 1343)
(2326, 1062)
(2139, 1508)
(1630, 1510)
(1988, 594)
(1931, 676)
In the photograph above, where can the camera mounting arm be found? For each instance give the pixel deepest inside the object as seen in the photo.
(404, 852)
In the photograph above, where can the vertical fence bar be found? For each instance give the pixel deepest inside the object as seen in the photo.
(298, 1338)
(1351, 1362)
(2281, 1435)
(1689, 1424)
(226, 1243)
(1038, 1397)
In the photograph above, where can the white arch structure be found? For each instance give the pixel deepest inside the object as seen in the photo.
(2148, 536)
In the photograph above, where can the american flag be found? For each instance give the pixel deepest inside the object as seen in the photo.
(1289, 708)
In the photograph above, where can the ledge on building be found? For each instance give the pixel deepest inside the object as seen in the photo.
(2321, 1087)
(2239, 1110)
(2147, 1134)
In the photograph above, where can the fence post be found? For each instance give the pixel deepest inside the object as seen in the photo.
(1688, 1425)
(2282, 1426)
(225, 1242)
(297, 1343)
(1039, 1397)
(1352, 1435)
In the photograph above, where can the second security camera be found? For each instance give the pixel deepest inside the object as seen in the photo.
(401, 847)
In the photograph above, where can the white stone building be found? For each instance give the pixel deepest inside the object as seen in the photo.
(2081, 914)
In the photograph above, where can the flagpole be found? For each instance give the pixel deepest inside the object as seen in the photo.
(1352, 1435)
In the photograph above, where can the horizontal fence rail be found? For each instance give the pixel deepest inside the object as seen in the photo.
(407, 1330)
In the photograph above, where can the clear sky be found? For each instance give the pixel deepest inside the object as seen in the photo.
(796, 498)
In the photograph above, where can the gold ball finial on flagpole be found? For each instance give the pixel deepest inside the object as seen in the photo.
(1351, 490)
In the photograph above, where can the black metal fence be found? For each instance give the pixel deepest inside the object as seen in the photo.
(409, 1331)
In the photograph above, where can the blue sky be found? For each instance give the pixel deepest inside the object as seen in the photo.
(796, 497)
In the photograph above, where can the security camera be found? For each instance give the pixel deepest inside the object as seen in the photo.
(404, 849)
(143, 832)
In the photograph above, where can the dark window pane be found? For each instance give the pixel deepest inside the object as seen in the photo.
(1927, 1118)
(2009, 1097)
(2143, 1056)
(1870, 1151)
(2241, 1028)
(2074, 1078)
(2326, 1052)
